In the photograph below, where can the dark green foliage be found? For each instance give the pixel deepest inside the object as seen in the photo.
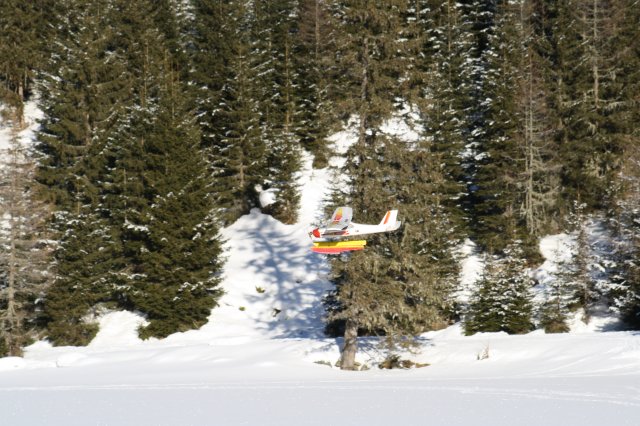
(226, 110)
(503, 299)
(496, 195)
(25, 28)
(128, 175)
(445, 47)
(272, 47)
(245, 74)
(178, 261)
(629, 62)
(81, 99)
(588, 98)
(87, 260)
(577, 273)
(555, 311)
(238, 158)
(401, 284)
(312, 47)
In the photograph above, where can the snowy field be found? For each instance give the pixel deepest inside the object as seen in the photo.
(262, 359)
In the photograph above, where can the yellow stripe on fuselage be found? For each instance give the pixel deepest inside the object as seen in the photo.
(340, 244)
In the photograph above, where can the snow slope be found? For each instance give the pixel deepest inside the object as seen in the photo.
(262, 359)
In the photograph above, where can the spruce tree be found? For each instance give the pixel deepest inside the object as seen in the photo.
(555, 309)
(390, 287)
(272, 46)
(587, 95)
(576, 273)
(224, 103)
(135, 193)
(82, 98)
(158, 194)
(87, 260)
(368, 31)
(312, 55)
(213, 42)
(238, 150)
(446, 48)
(25, 28)
(246, 72)
(498, 160)
(517, 173)
(179, 261)
(503, 299)
(540, 177)
(24, 251)
(629, 208)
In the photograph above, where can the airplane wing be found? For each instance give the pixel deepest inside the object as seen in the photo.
(340, 219)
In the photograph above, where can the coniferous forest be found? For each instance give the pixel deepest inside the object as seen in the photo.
(164, 119)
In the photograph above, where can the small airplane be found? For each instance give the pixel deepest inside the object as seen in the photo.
(331, 239)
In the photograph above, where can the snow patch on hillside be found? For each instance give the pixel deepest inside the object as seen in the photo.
(471, 270)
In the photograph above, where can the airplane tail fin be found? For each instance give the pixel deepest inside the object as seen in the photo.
(390, 220)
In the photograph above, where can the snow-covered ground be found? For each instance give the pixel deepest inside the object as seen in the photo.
(262, 359)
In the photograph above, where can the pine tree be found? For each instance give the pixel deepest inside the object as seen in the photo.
(138, 231)
(517, 174)
(576, 273)
(422, 254)
(587, 95)
(556, 308)
(540, 179)
(629, 208)
(389, 288)
(82, 98)
(24, 30)
(312, 49)
(503, 300)
(180, 257)
(238, 149)
(625, 224)
(448, 44)
(272, 46)
(225, 105)
(498, 160)
(368, 34)
(559, 297)
(24, 252)
(213, 40)
(244, 65)
(87, 260)
(156, 190)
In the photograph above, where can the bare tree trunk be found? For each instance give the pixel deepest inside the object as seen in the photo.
(348, 358)
(529, 154)
(595, 65)
(13, 321)
(364, 98)
(316, 31)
